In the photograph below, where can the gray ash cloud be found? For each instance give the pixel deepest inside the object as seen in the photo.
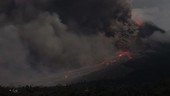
(47, 38)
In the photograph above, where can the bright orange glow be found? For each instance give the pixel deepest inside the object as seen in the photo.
(116, 57)
(122, 54)
(138, 21)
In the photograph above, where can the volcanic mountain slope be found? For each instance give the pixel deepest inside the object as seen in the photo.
(151, 77)
(152, 65)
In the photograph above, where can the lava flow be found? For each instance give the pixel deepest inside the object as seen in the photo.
(120, 55)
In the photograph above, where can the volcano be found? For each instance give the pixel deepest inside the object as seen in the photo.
(47, 42)
(152, 66)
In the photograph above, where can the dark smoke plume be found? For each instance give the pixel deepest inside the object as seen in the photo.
(47, 39)
(92, 14)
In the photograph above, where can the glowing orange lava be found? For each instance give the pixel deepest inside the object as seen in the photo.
(121, 53)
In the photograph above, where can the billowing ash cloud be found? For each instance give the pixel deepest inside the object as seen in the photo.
(42, 40)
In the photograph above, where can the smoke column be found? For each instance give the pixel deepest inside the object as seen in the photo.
(42, 40)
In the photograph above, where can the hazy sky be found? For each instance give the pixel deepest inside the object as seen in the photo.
(151, 3)
(156, 11)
